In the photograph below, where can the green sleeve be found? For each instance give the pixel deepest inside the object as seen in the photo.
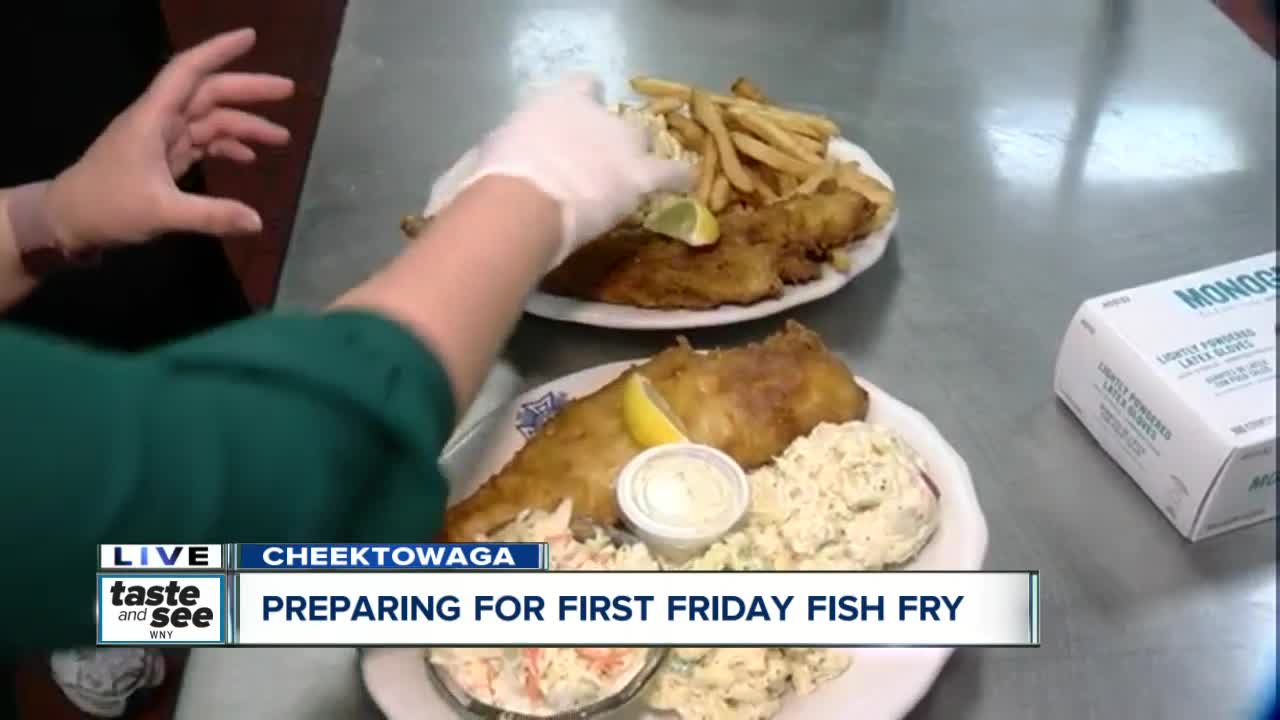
(280, 428)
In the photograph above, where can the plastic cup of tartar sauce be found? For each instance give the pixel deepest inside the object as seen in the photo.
(681, 498)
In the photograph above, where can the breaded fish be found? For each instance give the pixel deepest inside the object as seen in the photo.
(750, 402)
(633, 266)
(758, 252)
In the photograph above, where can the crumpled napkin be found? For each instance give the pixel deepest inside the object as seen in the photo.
(100, 681)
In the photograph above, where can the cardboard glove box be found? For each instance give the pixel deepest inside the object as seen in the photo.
(1177, 382)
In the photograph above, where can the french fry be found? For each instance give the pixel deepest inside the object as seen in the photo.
(744, 88)
(720, 194)
(707, 171)
(689, 133)
(847, 175)
(811, 124)
(765, 129)
(815, 122)
(811, 127)
(817, 147)
(706, 113)
(767, 194)
(803, 127)
(841, 260)
(775, 159)
(657, 87)
(787, 185)
(734, 198)
(811, 184)
(663, 105)
(766, 175)
(761, 188)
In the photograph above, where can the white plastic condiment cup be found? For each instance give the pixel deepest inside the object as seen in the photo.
(673, 542)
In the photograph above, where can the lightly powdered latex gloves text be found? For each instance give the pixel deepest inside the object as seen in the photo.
(565, 143)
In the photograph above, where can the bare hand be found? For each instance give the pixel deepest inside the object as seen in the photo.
(123, 189)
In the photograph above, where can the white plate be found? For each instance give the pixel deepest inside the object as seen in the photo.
(883, 683)
(862, 255)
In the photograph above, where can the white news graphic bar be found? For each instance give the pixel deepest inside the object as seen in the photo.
(994, 609)
(152, 609)
(161, 557)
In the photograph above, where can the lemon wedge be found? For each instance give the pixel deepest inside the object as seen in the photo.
(686, 220)
(649, 419)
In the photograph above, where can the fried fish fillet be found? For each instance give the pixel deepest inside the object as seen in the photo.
(633, 266)
(758, 252)
(750, 402)
(805, 229)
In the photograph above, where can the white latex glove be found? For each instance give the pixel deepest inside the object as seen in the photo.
(565, 143)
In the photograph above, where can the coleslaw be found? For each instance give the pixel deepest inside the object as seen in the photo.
(663, 144)
(549, 681)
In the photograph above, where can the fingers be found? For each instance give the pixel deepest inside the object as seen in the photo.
(237, 124)
(638, 137)
(669, 175)
(238, 89)
(233, 150)
(209, 215)
(180, 79)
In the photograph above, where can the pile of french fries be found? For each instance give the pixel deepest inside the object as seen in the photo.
(753, 152)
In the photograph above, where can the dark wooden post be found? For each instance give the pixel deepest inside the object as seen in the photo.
(296, 38)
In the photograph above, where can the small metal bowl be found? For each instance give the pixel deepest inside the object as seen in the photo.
(471, 707)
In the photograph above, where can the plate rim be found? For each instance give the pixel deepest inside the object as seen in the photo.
(621, 317)
(873, 389)
(929, 661)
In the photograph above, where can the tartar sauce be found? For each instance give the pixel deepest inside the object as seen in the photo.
(684, 491)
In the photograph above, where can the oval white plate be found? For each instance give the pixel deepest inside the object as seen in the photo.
(883, 683)
(862, 255)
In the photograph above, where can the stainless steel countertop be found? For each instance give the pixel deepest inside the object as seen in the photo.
(1043, 153)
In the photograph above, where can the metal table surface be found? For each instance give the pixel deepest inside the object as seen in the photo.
(1043, 153)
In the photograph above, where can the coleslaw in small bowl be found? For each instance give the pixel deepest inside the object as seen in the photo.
(560, 682)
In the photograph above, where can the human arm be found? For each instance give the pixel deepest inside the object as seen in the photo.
(281, 428)
(123, 189)
(469, 251)
(289, 428)
(559, 173)
(304, 428)
(15, 281)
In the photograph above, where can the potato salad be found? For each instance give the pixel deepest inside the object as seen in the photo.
(845, 497)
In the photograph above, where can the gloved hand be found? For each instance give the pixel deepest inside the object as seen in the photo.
(570, 147)
(123, 190)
